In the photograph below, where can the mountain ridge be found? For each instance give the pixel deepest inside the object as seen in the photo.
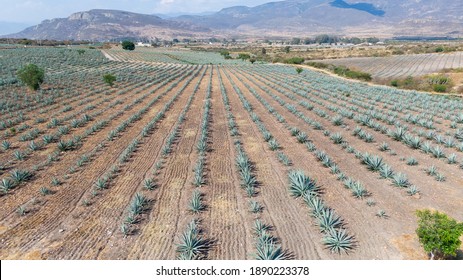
(291, 18)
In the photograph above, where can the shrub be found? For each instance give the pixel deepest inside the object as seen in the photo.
(109, 79)
(32, 76)
(295, 60)
(299, 70)
(438, 233)
(439, 88)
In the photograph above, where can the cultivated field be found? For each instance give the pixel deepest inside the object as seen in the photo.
(402, 66)
(242, 161)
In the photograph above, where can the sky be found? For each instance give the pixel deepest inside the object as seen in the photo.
(34, 11)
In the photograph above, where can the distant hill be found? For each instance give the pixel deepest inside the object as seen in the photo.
(291, 18)
(107, 25)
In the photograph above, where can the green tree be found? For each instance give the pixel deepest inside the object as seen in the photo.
(244, 56)
(438, 233)
(252, 60)
(299, 70)
(32, 76)
(109, 79)
(128, 45)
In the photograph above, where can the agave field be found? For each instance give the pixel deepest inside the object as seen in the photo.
(189, 156)
(402, 66)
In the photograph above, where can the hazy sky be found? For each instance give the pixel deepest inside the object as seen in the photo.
(34, 11)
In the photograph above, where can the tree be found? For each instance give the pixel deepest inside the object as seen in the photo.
(128, 45)
(287, 49)
(438, 233)
(299, 70)
(252, 60)
(244, 56)
(109, 79)
(264, 51)
(32, 76)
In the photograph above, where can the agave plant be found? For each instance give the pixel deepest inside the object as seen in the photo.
(270, 251)
(44, 191)
(440, 177)
(431, 171)
(7, 185)
(384, 147)
(328, 220)
(294, 131)
(400, 180)
(310, 146)
(374, 163)
(358, 190)
(337, 120)
(386, 172)
(138, 203)
(315, 203)
(255, 207)
(19, 176)
(149, 184)
(284, 159)
(412, 190)
(338, 241)
(438, 152)
(300, 184)
(19, 155)
(6, 145)
(302, 137)
(101, 183)
(196, 205)
(260, 228)
(412, 161)
(273, 144)
(371, 202)
(452, 159)
(337, 138)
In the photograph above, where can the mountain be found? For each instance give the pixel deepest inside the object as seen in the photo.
(107, 25)
(291, 18)
(383, 18)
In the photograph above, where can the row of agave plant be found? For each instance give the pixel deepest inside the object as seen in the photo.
(75, 142)
(103, 182)
(149, 184)
(358, 190)
(400, 133)
(366, 119)
(267, 246)
(74, 94)
(374, 163)
(336, 238)
(193, 244)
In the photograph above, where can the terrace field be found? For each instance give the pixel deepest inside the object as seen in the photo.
(242, 161)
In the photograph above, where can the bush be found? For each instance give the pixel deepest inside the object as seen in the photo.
(128, 45)
(109, 79)
(299, 70)
(439, 88)
(438, 233)
(395, 83)
(294, 60)
(32, 76)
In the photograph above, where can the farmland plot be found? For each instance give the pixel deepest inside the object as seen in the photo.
(250, 161)
(402, 66)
